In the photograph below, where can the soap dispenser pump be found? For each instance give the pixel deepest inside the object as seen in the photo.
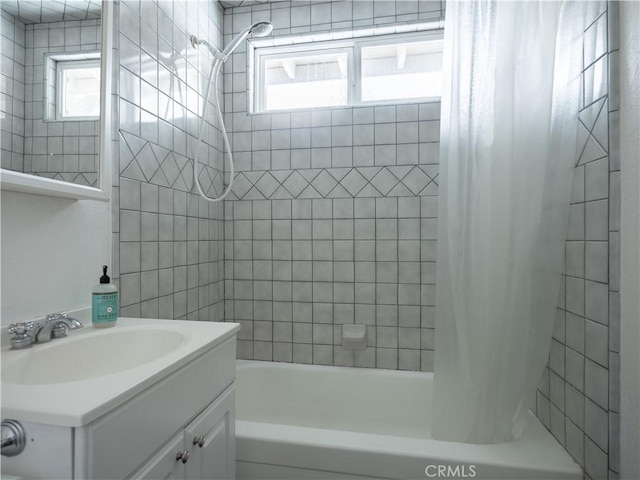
(104, 302)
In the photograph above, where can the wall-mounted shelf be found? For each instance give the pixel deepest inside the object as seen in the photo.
(21, 182)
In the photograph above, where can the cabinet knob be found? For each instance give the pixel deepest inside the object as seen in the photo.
(183, 456)
(199, 441)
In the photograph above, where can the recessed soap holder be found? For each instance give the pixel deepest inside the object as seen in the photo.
(354, 337)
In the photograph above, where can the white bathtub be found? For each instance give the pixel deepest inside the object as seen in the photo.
(306, 421)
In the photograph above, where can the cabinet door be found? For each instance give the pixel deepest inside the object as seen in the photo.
(164, 465)
(214, 429)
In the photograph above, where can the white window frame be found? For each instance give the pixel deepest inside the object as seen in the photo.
(315, 49)
(61, 67)
(352, 46)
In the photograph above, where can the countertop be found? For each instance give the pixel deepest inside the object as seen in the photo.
(77, 403)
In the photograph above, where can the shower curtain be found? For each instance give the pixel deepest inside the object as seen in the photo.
(508, 147)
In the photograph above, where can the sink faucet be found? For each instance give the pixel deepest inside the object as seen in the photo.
(55, 326)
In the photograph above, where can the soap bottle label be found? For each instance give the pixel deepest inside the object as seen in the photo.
(104, 307)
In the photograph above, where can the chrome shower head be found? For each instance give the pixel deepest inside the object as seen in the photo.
(259, 29)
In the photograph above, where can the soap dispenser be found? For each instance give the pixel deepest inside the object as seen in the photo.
(104, 302)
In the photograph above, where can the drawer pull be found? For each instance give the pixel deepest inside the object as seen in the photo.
(183, 456)
(199, 441)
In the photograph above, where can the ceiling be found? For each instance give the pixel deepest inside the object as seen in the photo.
(44, 11)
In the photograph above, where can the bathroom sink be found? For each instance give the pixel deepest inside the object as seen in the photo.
(72, 381)
(87, 356)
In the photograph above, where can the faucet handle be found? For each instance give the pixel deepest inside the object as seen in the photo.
(20, 327)
(54, 316)
(21, 337)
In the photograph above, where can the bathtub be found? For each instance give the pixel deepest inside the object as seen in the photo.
(306, 421)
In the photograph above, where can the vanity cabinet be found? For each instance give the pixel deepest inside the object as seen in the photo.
(190, 408)
(141, 438)
(205, 449)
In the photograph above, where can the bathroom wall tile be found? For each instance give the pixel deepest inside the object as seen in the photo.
(596, 301)
(596, 261)
(322, 354)
(543, 411)
(426, 360)
(575, 259)
(129, 289)
(387, 358)
(282, 352)
(557, 423)
(575, 295)
(129, 194)
(574, 368)
(614, 382)
(597, 342)
(559, 327)
(592, 292)
(595, 460)
(408, 359)
(575, 441)
(596, 220)
(574, 405)
(129, 254)
(614, 262)
(596, 180)
(597, 424)
(263, 350)
(544, 386)
(576, 222)
(596, 380)
(556, 358)
(614, 442)
(556, 390)
(184, 233)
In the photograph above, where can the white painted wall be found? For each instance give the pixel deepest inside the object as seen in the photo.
(630, 240)
(51, 251)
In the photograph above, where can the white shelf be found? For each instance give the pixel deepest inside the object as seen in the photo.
(21, 182)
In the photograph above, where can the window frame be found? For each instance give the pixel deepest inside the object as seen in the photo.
(62, 66)
(321, 48)
(353, 46)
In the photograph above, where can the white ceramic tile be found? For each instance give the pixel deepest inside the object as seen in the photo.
(596, 301)
(596, 383)
(595, 460)
(574, 441)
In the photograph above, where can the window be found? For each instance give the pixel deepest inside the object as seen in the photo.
(401, 71)
(357, 71)
(305, 80)
(78, 90)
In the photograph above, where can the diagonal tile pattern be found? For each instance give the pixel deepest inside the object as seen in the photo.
(151, 163)
(337, 183)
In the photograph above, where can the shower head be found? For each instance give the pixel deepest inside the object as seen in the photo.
(260, 29)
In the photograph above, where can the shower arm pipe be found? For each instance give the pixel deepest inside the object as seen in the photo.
(215, 69)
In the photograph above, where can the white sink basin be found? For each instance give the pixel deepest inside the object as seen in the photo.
(87, 356)
(74, 380)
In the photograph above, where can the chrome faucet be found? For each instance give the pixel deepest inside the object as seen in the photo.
(55, 325)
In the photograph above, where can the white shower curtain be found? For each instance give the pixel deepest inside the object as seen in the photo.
(508, 147)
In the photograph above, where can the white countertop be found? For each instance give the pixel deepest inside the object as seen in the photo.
(77, 403)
